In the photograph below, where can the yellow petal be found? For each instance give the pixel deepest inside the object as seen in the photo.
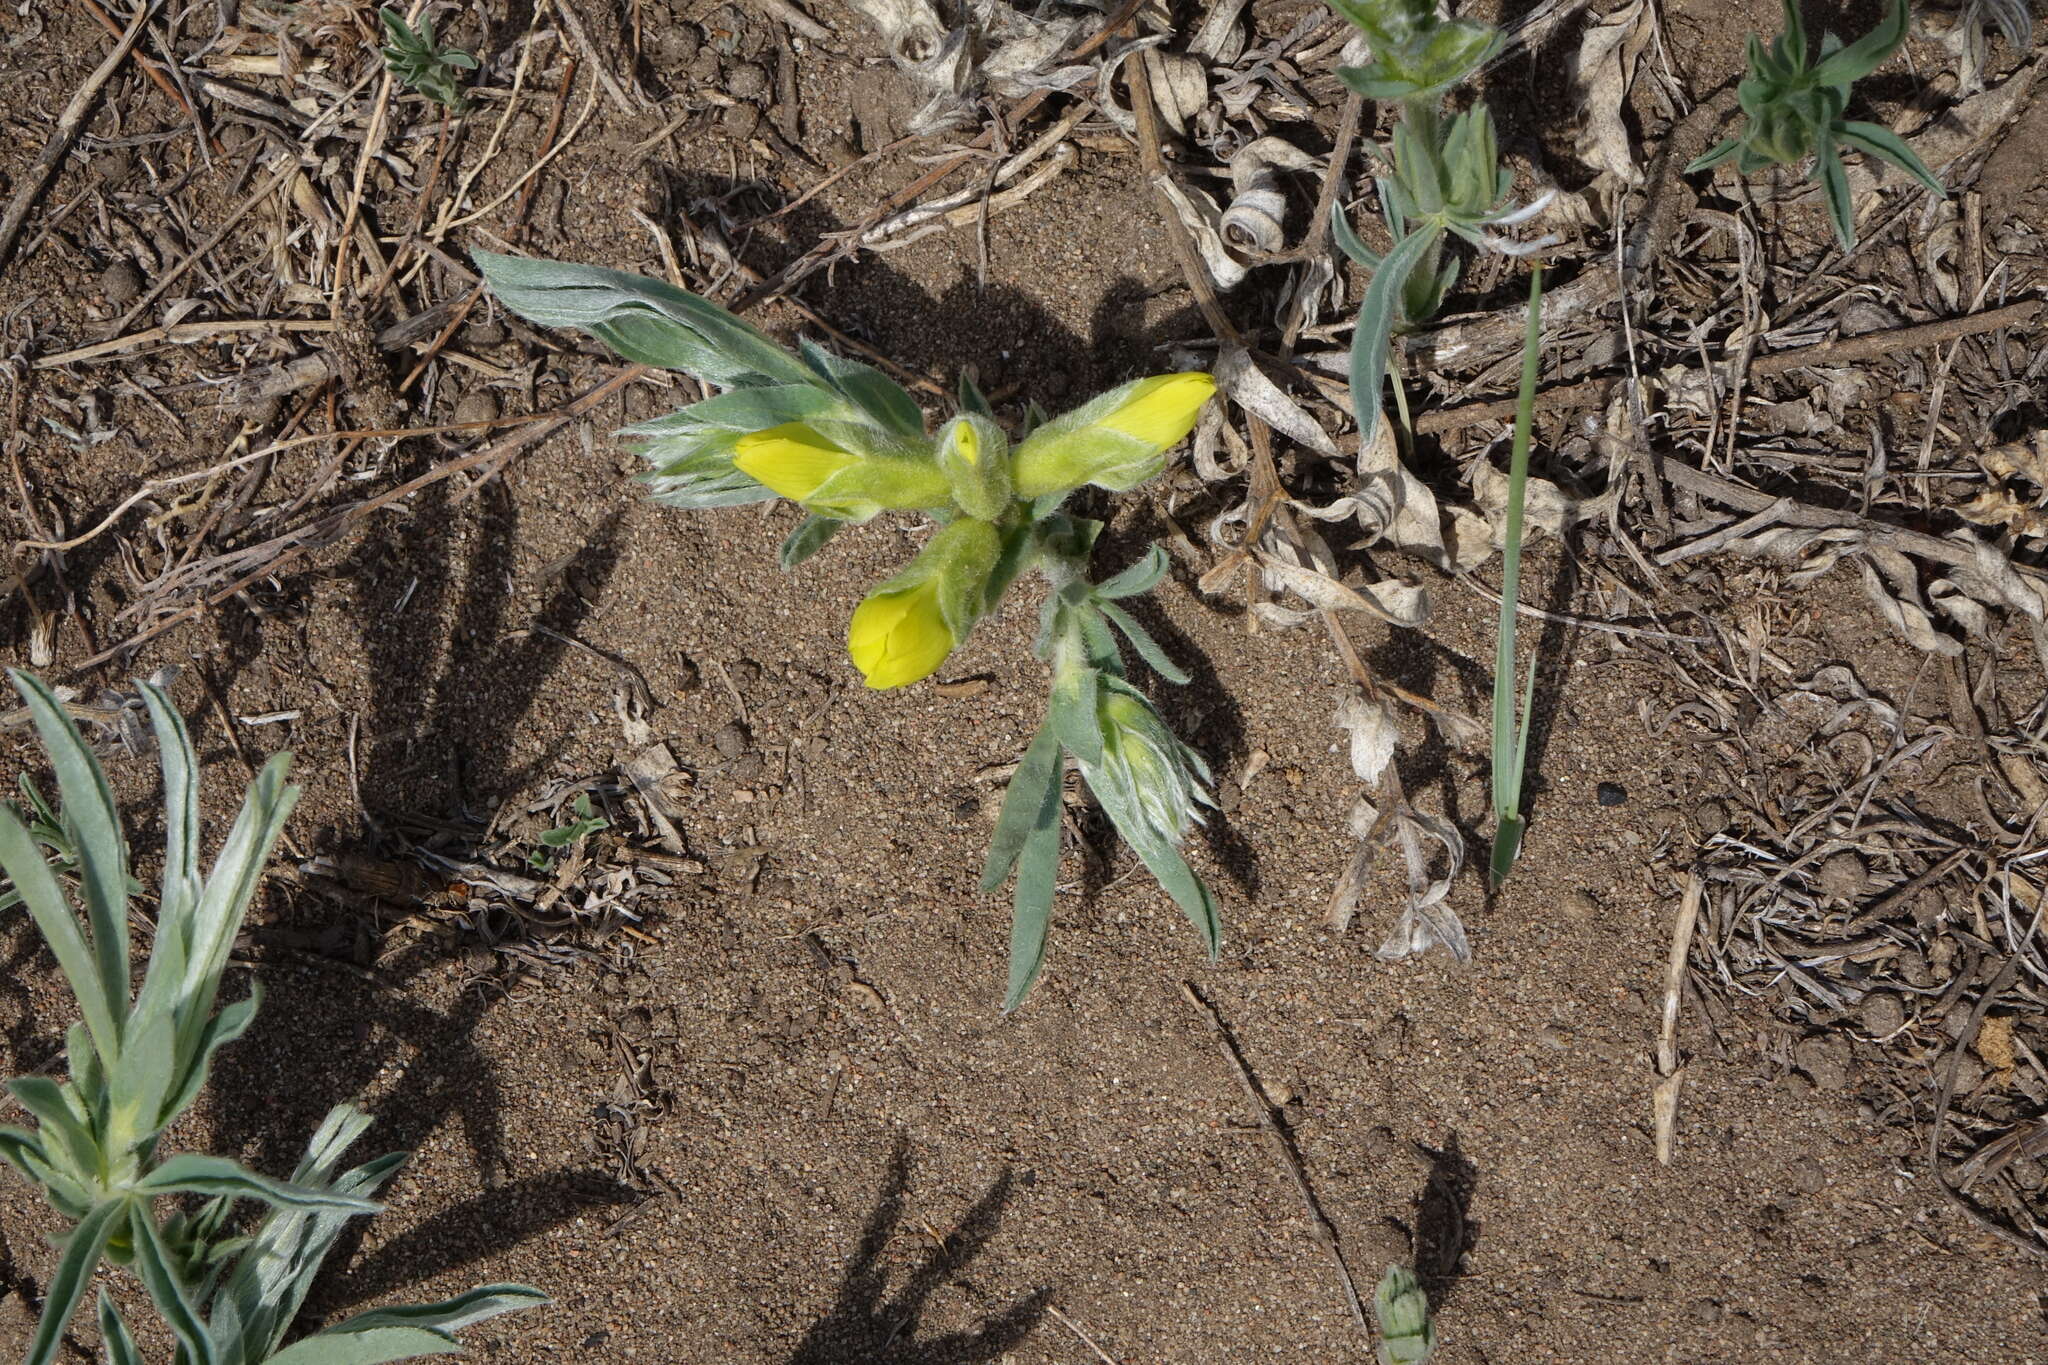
(896, 638)
(791, 459)
(1162, 410)
(967, 443)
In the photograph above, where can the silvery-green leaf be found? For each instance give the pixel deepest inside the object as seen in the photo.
(82, 1248)
(193, 1173)
(231, 1023)
(374, 1347)
(449, 1315)
(46, 1099)
(1141, 577)
(643, 319)
(1031, 905)
(867, 388)
(114, 1335)
(1071, 712)
(806, 540)
(93, 826)
(1852, 63)
(158, 1271)
(1036, 780)
(750, 409)
(1142, 641)
(1874, 139)
(1375, 325)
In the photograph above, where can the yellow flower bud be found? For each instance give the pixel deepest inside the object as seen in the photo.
(899, 637)
(792, 459)
(1116, 441)
(1161, 411)
(905, 628)
(975, 454)
(803, 463)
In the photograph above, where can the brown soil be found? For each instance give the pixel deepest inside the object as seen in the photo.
(780, 1118)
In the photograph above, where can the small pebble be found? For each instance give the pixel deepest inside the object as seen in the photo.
(478, 405)
(121, 282)
(745, 81)
(1579, 906)
(731, 740)
(1883, 1015)
(1825, 1059)
(1611, 793)
(1842, 876)
(740, 121)
(1808, 1176)
(1712, 818)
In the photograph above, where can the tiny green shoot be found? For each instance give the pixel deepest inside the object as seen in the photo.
(1795, 110)
(586, 823)
(1400, 1307)
(416, 60)
(1510, 740)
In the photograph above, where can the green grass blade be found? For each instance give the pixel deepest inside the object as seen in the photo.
(1510, 746)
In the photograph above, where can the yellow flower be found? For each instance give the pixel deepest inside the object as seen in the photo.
(1161, 411)
(899, 637)
(792, 459)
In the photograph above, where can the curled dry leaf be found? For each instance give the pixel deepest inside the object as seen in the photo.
(1425, 922)
(1605, 69)
(1545, 506)
(1234, 239)
(1393, 507)
(1892, 585)
(1374, 735)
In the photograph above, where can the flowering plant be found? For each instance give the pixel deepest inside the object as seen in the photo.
(847, 443)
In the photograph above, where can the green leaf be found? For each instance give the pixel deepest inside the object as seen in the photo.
(1834, 184)
(1036, 780)
(1187, 888)
(82, 1250)
(1865, 55)
(971, 399)
(114, 1335)
(193, 1173)
(449, 1315)
(158, 1270)
(1510, 739)
(231, 1023)
(643, 319)
(1071, 712)
(1142, 641)
(1375, 327)
(45, 1099)
(374, 1347)
(1031, 907)
(22, 859)
(94, 828)
(1720, 152)
(1141, 577)
(884, 400)
(1347, 239)
(1876, 140)
(806, 540)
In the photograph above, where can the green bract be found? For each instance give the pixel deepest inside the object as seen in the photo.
(1399, 1305)
(137, 1060)
(1416, 55)
(1795, 110)
(846, 442)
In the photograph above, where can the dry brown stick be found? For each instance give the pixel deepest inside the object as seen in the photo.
(533, 432)
(155, 71)
(38, 176)
(1670, 1074)
(2030, 1245)
(1842, 350)
(1320, 1226)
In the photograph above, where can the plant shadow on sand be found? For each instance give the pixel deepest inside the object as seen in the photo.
(868, 1324)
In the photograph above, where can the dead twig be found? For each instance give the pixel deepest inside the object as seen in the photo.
(1670, 1072)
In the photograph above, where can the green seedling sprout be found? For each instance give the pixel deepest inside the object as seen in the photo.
(847, 443)
(1795, 110)
(586, 823)
(1443, 178)
(1511, 740)
(418, 62)
(1401, 1309)
(138, 1058)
